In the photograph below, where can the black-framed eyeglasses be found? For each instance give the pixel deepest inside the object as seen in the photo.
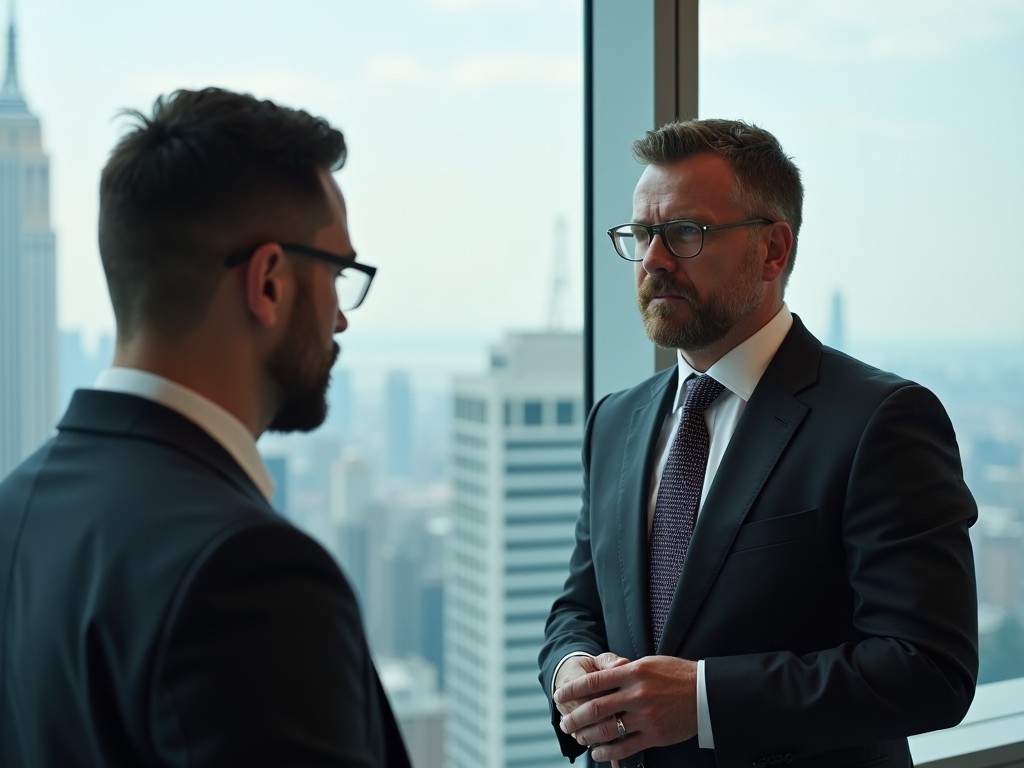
(351, 283)
(683, 238)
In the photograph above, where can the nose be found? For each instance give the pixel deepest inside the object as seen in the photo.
(658, 258)
(340, 322)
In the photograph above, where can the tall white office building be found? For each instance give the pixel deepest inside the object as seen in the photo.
(517, 435)
(28, 309)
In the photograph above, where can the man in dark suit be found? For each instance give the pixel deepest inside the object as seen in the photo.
(154, 610)
(822, 607)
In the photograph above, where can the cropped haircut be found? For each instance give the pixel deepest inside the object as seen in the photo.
(767, 180)
(209, 173)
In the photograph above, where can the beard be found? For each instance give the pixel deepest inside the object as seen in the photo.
(301, 372)
(710, 319)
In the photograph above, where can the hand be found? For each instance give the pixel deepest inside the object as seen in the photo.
(655, 697)
(576, 667)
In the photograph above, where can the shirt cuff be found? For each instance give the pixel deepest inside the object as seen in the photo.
(705, 739)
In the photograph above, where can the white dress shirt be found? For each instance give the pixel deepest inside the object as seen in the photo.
(210, 417)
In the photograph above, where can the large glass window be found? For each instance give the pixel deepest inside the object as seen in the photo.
(464, 187)
(899, 115)
(910, 256)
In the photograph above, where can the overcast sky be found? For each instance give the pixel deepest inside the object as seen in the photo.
(464, 120)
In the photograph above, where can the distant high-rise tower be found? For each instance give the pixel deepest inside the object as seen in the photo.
(340, 400)
(398, 395)
(28, 305)
(353, 517)
(837, 328)
(516, 472)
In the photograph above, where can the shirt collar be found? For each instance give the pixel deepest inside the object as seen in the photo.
(741, 368)
(217, 422)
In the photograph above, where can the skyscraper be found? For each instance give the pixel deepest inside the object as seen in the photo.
(837, 324)
(517, 476)
(353, 517)
(28, 311)
(398, 394)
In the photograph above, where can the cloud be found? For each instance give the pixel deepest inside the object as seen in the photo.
(285, 85)
(398, 69)
(503, 69)
(874, 127)
(824, 31)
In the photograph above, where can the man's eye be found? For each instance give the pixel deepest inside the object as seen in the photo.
(685, 230)
(640, 234)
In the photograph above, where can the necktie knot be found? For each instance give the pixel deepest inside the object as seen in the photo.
(702, 394)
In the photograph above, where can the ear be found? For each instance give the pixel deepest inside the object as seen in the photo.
(267, 285)
(779, 245)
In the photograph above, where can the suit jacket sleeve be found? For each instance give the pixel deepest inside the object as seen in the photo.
(264, 662)
(576, 619)
(912, 662)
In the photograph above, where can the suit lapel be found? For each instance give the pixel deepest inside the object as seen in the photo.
(769, 421)
(634, 489)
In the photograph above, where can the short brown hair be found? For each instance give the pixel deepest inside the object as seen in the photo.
(210, 172)
(767, 180)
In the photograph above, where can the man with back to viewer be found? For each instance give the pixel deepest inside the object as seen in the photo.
(821, 607)
(154, 610)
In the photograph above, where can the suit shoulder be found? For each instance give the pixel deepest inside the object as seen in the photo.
(860, 388)
(265, 544)
(838, 366)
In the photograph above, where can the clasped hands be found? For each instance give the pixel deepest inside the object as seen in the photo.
(654, 697)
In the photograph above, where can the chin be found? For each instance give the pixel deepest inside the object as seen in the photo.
(302, 413)
(663, 331)
(298, 416)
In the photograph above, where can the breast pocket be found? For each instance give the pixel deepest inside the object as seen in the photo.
(776, 530)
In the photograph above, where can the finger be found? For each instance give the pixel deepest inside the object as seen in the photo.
(609, 660)
(597, 713)
(574, 667)
(591, 685)
(598, 733)
(568, 707)
(614, 751)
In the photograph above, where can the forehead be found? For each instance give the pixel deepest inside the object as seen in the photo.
(685, 187)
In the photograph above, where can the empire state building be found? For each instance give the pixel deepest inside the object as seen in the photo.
(28, 312)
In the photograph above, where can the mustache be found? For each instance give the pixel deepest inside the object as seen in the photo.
(655, 285)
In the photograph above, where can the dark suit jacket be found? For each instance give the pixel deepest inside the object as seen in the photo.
(829, 585)
(156, 611)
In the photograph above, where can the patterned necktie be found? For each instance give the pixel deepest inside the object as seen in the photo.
(675, 510)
